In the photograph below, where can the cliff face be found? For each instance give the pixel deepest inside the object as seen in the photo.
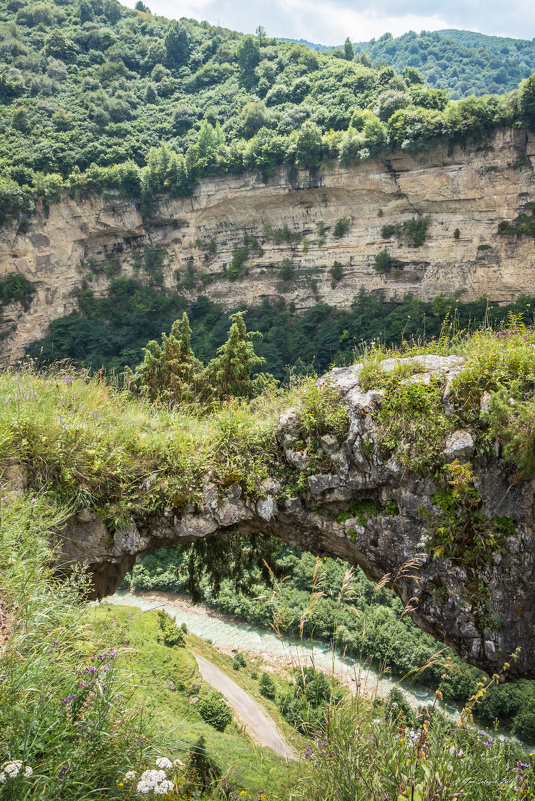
(483, 612)
(196, 241)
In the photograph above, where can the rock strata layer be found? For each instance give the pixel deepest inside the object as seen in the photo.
(196, 242)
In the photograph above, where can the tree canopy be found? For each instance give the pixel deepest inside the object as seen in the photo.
(95, 96)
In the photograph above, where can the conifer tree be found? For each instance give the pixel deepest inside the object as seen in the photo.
(349, 53)
(229, 374)
(169, 369)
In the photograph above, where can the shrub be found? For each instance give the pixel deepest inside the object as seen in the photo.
(342, 227)
(239, 661)
(267, 686)
(337, 271)
(383, 262)
(287, 270)
(16, 288)
(214, 710)
(413, 230)
(172, 635)
(205, 770)
(236, 270)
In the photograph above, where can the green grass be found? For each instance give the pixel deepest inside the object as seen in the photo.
(94, 445)
(65, 704)
(151, 664)
(81, 681)
(247, 682)
(80, 727)
(98, 446)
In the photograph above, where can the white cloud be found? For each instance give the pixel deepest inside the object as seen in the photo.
(330, 21)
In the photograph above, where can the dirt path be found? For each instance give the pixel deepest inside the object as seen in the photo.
(257, 722)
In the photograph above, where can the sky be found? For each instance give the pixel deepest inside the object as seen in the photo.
(331, 21)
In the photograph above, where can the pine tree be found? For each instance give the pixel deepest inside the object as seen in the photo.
(348, 50)
(229, 374)
(169, 369)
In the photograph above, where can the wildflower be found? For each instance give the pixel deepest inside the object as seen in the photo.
(149, 780)
(129, 776)
(164, 788)
(10, 770)
(164, 763)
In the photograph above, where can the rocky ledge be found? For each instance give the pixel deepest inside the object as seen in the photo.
(391, 540)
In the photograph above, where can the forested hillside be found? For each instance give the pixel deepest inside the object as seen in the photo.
(462, 62)
(91, 92)
(111, 331)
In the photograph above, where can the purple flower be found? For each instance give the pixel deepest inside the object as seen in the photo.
(68, 699)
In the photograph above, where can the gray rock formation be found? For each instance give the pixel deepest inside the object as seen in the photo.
(394, 541)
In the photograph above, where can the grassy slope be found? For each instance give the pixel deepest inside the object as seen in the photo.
(93, 445)
(83, 443)
(152, 664)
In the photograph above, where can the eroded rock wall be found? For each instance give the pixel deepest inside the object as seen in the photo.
(483, 612)
(470, 188)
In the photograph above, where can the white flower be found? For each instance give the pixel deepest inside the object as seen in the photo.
(129, 776)
(163, 788)
(27, 772)
(178, 763)
(163, 762)
(3, 777)
(12, 769)
(149, 780)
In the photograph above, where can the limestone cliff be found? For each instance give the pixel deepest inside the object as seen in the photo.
(484, 611)
(292, 216)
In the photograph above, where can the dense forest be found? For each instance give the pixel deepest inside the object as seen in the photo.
(96, 96)
(111, 331)
(462, 62)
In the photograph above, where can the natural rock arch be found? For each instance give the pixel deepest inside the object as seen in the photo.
(390, 542)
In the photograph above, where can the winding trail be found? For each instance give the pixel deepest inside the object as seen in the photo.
(260, 727)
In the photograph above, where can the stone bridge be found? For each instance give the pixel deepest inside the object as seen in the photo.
(392, 542)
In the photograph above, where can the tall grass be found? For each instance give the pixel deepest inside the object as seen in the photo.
(92, 444)
(64, 710)
(368, 747)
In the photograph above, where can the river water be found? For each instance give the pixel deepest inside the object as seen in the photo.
(225, 633)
